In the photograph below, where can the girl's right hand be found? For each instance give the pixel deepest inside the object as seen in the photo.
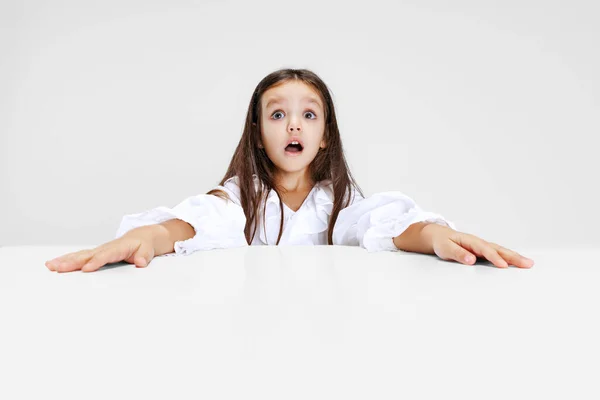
(134, 249)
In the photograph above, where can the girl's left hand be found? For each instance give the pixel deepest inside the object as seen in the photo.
(449, 244)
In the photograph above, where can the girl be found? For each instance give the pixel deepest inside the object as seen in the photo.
(288, 183)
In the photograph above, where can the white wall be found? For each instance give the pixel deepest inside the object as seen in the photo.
(486, 112)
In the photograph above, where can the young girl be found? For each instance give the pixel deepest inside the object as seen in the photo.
(288, 183)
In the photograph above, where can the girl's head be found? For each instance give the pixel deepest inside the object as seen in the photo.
(288, 112)
(287, 105)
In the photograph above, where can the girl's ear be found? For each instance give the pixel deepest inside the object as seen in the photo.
(323, 144)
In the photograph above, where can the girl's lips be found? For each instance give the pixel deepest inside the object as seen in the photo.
(295, 139)
(293, 153)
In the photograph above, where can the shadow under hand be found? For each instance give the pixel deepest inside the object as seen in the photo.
(110, 266)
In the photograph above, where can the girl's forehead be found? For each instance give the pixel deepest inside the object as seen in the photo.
(291, 90)
(291, 86)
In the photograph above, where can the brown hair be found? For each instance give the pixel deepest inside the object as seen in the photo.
(249, 159)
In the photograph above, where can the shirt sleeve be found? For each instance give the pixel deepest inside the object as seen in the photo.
(372, 223)
(218, 223)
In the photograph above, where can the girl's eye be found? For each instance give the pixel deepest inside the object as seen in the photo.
(308, 112)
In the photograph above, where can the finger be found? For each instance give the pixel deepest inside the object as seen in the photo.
(52, 264)
(67, 265)
(512, 257)
(103, 257)
(458, 253)
(70, 262)
(143, 256)
(482, 248)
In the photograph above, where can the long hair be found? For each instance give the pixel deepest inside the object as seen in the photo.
(249, 160)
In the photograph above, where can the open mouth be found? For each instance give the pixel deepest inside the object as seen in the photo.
(294, 148)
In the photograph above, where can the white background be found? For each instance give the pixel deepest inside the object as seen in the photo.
(485, 112)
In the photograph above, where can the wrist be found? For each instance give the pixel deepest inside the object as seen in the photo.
(156, 235)
(416, 238)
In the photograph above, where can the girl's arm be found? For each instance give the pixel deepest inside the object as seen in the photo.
(413, 240)
(137, 246)
(449, 244)
(164, 235)
(168, 232)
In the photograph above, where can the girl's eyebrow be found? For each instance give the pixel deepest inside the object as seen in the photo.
(275, 100)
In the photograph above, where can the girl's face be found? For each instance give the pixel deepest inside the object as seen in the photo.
(292, 111)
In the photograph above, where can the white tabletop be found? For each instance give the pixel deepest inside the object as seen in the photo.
(321, 322)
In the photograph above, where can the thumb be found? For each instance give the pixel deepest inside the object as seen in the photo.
(459, 253)
(144, 255)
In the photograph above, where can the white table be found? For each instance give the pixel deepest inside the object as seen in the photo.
(300, 323)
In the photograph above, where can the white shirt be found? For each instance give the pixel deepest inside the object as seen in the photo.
(371, 222)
